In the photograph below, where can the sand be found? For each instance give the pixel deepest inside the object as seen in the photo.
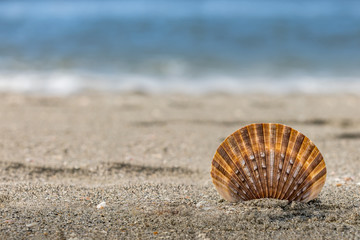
(148, 158)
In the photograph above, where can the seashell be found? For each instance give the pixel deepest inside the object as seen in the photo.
(268, 160)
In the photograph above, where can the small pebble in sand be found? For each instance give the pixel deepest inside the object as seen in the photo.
(101, 205)
(30, 160)
(31, 224)
(200, 204)
(348, 179)
(339, 184)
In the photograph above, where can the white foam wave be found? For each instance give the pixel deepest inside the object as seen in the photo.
(60, 83)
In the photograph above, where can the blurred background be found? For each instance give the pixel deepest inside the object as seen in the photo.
(190, 46)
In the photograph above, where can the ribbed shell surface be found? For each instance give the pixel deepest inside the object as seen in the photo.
(268, 160)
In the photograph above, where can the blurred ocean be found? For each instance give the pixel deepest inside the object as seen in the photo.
(60, 47)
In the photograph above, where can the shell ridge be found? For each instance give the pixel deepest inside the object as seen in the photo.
(248, 159)
(310, 153)
(245, 174)
(247, 187)
(267, 147)
(314, 188)
(303, 154)
(284, 176)
(317, 185)
(253, 136)
(306, 169)
(222, 171)
(239, 169)
(307, 172)
(277, 150)
(284, 146)
(266, 128)
(272, 156)
(245, 169)
(310, 183)
(250, 176)
(231, 175)
(223, 152)
(262, 158)
(223, 189)
(290, 166)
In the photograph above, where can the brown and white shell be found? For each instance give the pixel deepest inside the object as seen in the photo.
(268, 160)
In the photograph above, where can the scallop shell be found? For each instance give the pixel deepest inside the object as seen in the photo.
(268, 160)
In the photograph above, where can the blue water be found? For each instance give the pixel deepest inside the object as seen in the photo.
(180, 45)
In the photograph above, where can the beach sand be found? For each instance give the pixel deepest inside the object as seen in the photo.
(149, 156)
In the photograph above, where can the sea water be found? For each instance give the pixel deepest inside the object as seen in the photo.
(180, 45)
